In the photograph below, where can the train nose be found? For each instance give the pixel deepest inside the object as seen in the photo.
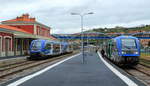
(35, 49)
(132, 60)
(35, 54)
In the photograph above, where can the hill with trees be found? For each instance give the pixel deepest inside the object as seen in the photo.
(119, 29)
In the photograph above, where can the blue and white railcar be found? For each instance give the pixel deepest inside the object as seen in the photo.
(40, 48)
(123, 50)
(64, 47)
(44, 48)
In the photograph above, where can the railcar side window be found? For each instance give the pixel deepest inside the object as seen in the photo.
(48, 46)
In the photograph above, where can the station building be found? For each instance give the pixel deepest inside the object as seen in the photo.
(16, 35)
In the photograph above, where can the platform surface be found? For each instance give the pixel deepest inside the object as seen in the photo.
(74, 73)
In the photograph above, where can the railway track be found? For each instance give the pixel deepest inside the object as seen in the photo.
(8, 70)
(144, 69)
(148, 66)
(11, 62)
(140, 72)
(14, 65)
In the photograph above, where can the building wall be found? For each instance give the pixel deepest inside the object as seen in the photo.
(6, 44)
(42, 31)
(28, 28)
(34, 29)
(29, 24)
(10, 46)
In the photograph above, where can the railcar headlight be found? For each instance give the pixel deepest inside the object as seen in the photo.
(123, 52)
(32, 49)
(135, 52)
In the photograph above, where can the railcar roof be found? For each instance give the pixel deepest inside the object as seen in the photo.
(52, 41)
(119, 37)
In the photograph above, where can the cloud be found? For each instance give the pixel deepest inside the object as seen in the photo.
(56, 13)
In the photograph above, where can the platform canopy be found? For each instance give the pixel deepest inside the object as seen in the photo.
(18, 34)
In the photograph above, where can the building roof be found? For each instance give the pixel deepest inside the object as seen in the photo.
(52, 37)
(20, 33)
(13, 28)
(24, 19)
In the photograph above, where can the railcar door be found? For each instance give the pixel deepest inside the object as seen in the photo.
(48, 48)
(110, 49)
(71, 48)
(114, 48)
(62, 48)
(56, 48)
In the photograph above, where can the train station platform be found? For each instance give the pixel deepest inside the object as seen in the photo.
(72, 72)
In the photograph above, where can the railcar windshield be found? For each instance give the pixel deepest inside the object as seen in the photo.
(128, 43)
(36, 45)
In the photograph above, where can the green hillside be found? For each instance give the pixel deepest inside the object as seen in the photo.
(121, 29)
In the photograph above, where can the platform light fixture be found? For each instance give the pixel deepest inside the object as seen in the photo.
(82, 35)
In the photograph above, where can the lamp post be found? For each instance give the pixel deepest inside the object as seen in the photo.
(82, 35)
(87, 41)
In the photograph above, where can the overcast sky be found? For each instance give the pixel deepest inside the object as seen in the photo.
(56, 13)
